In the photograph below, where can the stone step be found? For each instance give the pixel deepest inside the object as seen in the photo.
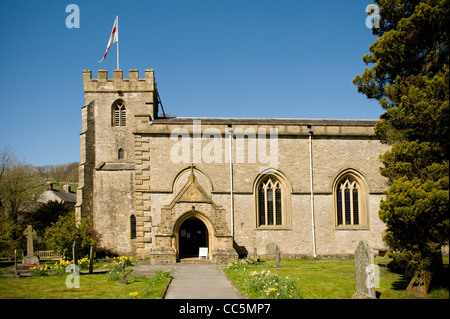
(194, 260)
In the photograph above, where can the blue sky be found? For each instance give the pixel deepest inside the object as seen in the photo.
(212, 58)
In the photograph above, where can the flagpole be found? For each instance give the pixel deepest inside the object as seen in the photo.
(117, 43)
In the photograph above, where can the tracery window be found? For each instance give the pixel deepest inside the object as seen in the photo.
(351, 201)
(347, 202)
(270, 203)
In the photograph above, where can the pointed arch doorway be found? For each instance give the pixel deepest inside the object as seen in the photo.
(192, 235)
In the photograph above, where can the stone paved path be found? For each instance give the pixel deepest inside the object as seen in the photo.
(193, 281)
(200, 281)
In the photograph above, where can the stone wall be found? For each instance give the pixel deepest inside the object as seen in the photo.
(332, 154)
(148, 182)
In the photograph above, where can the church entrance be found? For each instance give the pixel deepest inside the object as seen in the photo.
(193, 234)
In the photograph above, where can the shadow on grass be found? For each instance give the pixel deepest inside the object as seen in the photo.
(401, 283)
(440, 282)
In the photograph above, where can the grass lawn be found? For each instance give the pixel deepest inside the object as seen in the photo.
(93, 286)
(328, 279)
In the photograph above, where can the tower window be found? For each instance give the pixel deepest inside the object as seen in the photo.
(133, 227)
(119, 114)
(121, 154)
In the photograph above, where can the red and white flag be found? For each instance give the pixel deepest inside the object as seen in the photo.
(113, 38)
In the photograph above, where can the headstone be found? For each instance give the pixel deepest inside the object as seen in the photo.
(364, 263)
(123, 281)
(273, 249)
(30, 258)
(278, 257)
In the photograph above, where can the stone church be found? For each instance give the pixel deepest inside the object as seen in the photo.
(163, 188)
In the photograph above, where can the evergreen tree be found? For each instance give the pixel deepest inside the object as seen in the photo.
(47, 214)
(409, 75)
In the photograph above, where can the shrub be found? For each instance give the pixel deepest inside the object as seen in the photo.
(61, 235)
(402, 260)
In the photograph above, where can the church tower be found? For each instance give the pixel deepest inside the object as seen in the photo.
(106, 174)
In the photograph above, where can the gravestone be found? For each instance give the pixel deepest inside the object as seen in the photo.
(273, 249)
(30, 259)
(278, 257)
(365, 287)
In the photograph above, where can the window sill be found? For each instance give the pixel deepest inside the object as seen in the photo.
(351, 227)
(279, 227)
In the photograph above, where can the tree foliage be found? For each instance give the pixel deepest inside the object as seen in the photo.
(47, 214)
(17, 178)
(20, 186)
(8, 240)
(413, 40)
(63, 233)
(409, 75)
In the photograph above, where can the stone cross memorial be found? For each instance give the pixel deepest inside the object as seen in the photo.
(30, 258)
(365, 287)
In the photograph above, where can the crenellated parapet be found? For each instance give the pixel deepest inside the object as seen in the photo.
(117, 83)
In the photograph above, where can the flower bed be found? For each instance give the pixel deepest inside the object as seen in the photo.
(242, 263)
(50, 270)
(268, 285)
(272, 286)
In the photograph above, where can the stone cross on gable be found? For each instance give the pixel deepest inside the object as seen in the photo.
(30, 234)
(192, 176)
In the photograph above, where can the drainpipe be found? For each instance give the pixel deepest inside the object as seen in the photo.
(230, 132)
(310, 133)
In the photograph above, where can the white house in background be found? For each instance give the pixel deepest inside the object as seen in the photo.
(63, 196)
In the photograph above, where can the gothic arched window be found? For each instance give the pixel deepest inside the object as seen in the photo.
(270, 204)
(119, 116)
(347, 202)
(351, 201)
